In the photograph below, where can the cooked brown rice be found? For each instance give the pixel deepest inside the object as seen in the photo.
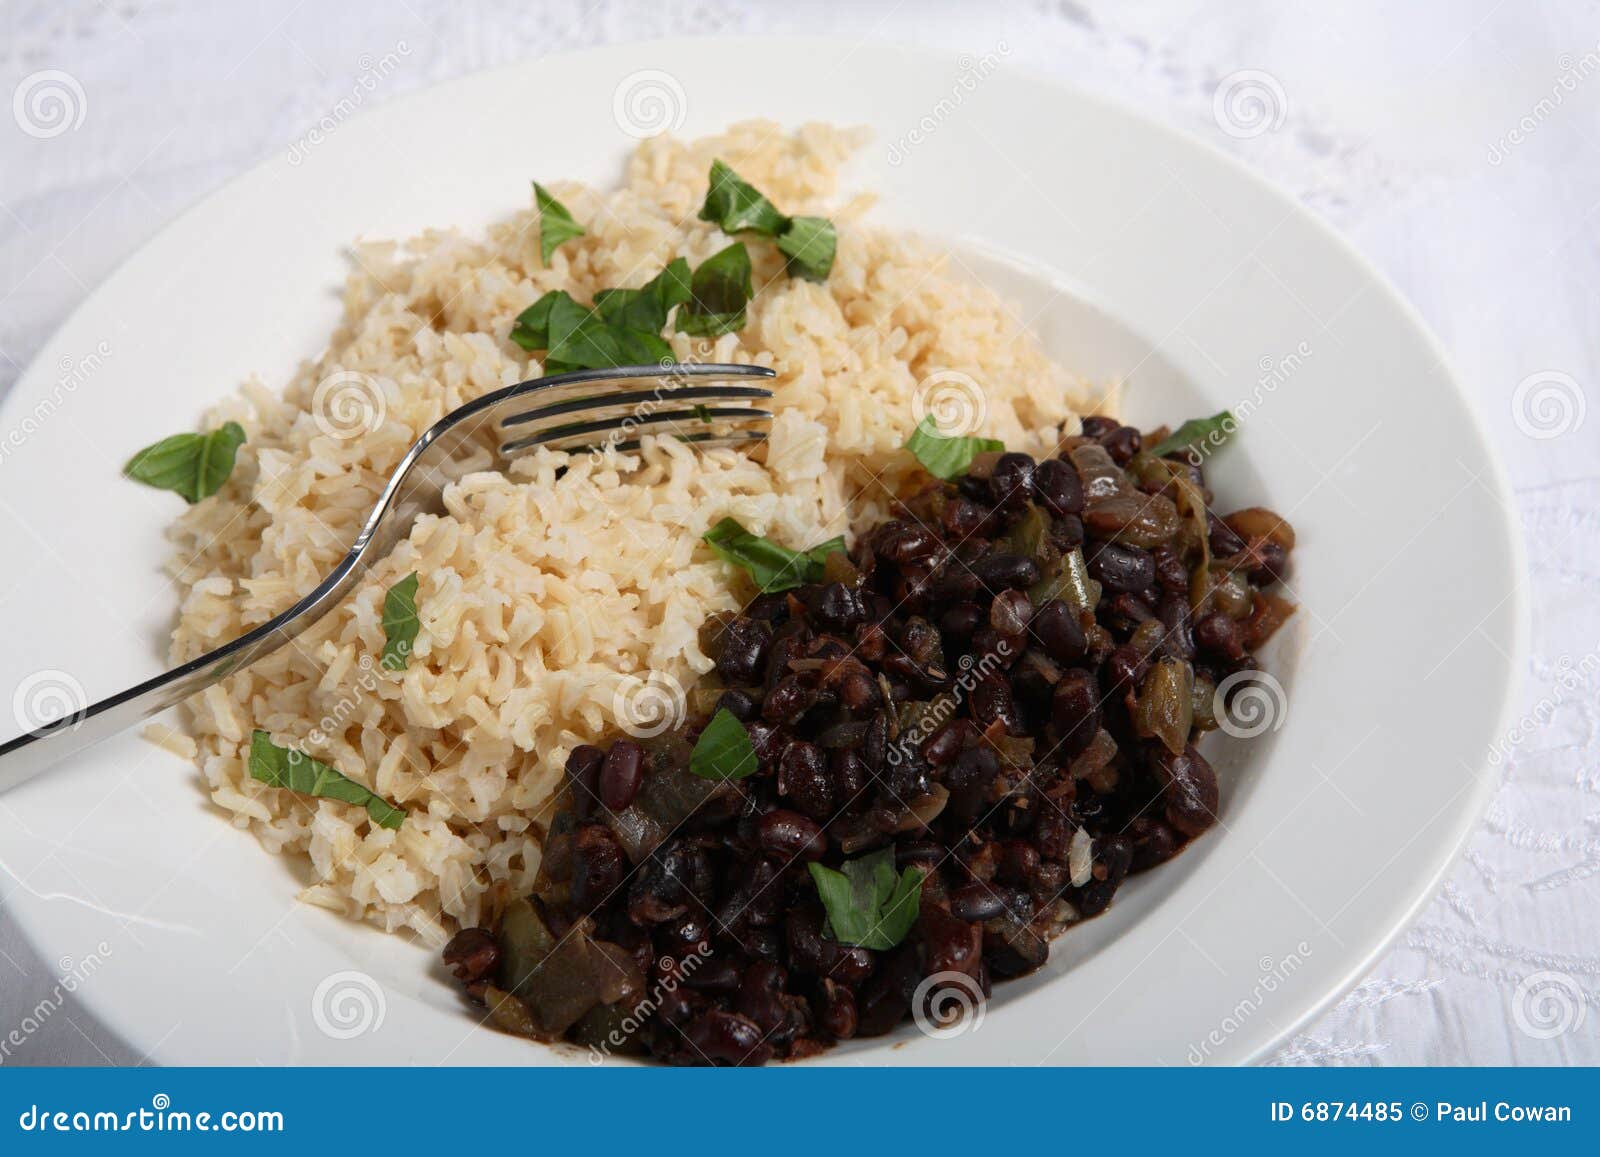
(547, 602)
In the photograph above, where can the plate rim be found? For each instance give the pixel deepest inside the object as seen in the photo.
(36, 378)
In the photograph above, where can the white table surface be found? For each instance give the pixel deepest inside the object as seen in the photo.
(1456, 143)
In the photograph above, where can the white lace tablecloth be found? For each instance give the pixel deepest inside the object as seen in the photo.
(1455, 143)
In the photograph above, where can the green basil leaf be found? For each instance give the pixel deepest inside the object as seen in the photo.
(555, 223)
(946, 457)
(400, 623)
(867, 904)
(296, 771)
(192, 465)
(724, 750)
(734, 205)
(647, 307)
(577, 338)
(810, 244)
(720, 290)
(773, 567)
(1214, 429)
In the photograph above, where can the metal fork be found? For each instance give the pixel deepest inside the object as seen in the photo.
(588, 409)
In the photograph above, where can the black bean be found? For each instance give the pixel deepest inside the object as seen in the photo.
(738, 704)
(1075, 711)
(728, 1038)
(838, 1010)
(1122, 568)
(803, 778)
(598, 866)
(962, 519)
(1189, 788)
(837, 607)
(1010, 612)
(969, 781)
(902, 542)
(744, 650)
(1097, 426)
(992, 702)
(1058, 487)
(1224, 542)
(472, 955)
(583, 776)
(1122, 444)
(1011, 484)
(788, 700)
(1153, 843)
(859, 692)
(621, 774)
(1217, 634)
(1002, 570)
(850, 775)
(945, 744)
(976, 902)
(1060, 632)
(789, 836)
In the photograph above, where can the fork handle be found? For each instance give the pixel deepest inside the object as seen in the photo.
(26, 756)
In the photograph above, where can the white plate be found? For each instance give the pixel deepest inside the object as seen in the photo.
(1133, 250)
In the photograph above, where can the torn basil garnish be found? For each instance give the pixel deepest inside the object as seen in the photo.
(1214, 429)
(773, 567)
(192, 465)
(646, 309)
(724, 750)
(556, 225)
(400, 623)
(868, 905)
(296, 771)
(719, 292)
(575, 337)
(810, 244)
(736, 206)
(946, 457)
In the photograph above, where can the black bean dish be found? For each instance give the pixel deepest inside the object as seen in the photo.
(917, 762)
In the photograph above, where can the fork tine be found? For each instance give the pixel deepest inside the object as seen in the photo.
(577, 435)
(599, 404)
